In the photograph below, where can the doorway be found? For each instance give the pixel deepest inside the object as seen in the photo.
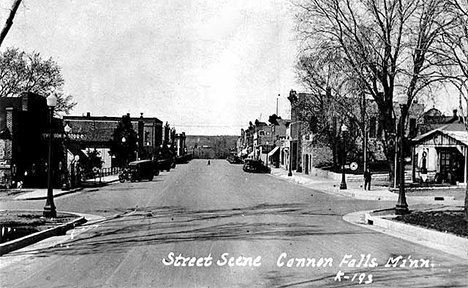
(451, 166)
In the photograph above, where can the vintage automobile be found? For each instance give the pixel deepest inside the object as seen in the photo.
(166, 164)
(233, 159)
(255, 166)
(142, 169)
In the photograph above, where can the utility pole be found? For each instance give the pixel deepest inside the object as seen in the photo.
(277, 99)
(364, 132)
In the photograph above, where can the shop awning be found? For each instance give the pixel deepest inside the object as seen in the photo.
(273, 151)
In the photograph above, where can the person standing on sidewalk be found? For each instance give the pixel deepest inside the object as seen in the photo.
(367, 179)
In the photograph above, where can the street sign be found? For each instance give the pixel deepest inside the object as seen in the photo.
(71, 136)
(353, 166)
(54, 135)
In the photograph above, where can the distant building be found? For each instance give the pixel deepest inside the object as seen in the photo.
(293, 143)
(210, 147)
(182, 154)
(96, 132)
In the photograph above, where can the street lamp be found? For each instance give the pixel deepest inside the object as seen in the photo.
(75, 171)
(66, 184)
(290, 163)
(124, 154)
(49, 208)
(401, 207)
(343, 185)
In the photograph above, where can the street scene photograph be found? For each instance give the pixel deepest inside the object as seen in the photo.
(235, 143)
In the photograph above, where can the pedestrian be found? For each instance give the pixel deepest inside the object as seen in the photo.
(367, 179)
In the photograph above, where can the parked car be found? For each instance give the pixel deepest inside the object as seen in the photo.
(141, 169)
(234, 160)
(166, 164)
(255, 166)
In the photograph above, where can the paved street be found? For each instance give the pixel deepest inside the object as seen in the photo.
(181, 230)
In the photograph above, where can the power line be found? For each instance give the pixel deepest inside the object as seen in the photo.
(210, 126)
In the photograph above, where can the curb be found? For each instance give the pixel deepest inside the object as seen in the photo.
(422, 234)
(61, 193)
(39, 236)
(386, 196)
(64, 192)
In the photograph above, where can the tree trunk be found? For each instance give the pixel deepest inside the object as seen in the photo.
(335, 152)
(466, 204)
(9, 21)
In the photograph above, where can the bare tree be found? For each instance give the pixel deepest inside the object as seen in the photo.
(456, 44)
(329, 103)
(391, 47)
(9, 20)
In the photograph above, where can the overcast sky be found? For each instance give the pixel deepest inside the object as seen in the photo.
(205, 66)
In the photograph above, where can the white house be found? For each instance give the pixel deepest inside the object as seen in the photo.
(441, 155)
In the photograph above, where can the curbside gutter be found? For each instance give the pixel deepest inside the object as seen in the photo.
(39, 236)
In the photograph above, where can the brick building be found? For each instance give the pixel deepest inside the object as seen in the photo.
(96, 132)
(24, 141)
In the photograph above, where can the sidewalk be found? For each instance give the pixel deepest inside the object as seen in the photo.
(432, 199)
(379, 193)
(38, 194)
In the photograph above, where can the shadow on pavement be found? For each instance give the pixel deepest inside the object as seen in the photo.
(164, 225)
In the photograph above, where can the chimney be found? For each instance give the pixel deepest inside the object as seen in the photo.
(88, 114)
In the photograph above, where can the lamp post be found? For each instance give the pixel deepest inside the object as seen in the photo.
(76, 172)
(66, 184)
(343, 185)
(401, 207)
(124, 160)
(290, 163)
(49, 208)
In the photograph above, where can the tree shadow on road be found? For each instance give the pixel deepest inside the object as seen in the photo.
(450, 275)
(167, 225)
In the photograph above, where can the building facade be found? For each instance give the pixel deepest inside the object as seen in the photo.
(97, 132)
(24, 134)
